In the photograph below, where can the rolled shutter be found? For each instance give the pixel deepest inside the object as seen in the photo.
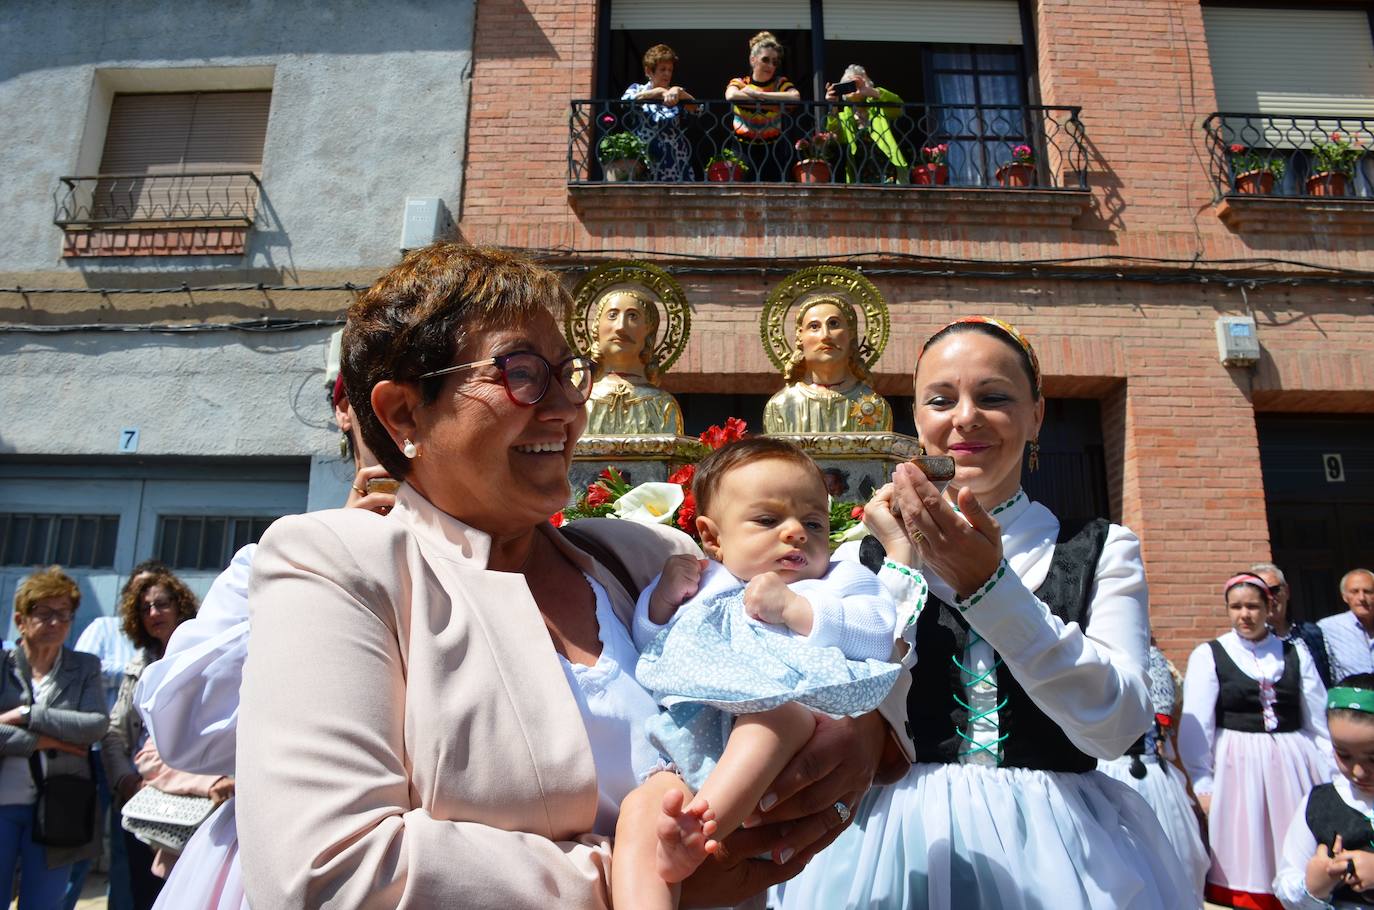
(925, 21)
(774, 15)
(1313, 63)
(169, 133)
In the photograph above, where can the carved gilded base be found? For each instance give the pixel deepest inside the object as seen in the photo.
(864, 461)
(640, 458)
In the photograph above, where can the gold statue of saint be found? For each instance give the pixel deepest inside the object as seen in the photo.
(827, 389)
(625, 399)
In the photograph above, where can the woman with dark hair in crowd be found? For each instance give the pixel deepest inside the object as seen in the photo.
(52, 708)
(1030, 666)
(151, 609)
(1253, 739)
(462, 700)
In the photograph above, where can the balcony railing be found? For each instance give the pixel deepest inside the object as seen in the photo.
(1282, 155)
(140, 199)
(964, 145)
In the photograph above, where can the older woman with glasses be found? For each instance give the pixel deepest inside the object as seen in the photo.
(151, 609)
(439, 709)
(52, 708)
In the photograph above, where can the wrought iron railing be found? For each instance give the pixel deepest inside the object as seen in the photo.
(108, 199)
(924, 145)
(1282, 155)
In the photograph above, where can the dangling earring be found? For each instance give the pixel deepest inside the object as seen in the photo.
(343, 445)
(1034, 460)
(920, 448)
(410, 450)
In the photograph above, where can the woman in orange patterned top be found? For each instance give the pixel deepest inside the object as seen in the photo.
(758, 126)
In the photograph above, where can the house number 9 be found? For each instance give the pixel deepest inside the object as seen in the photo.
(1333, 468)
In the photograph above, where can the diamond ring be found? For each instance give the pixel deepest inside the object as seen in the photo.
(843, 811)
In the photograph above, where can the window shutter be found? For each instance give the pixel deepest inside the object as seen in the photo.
(169, 133)
(773, 15)
(928, 21)
(1314, 63)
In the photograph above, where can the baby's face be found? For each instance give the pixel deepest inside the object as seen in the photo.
(770, 516)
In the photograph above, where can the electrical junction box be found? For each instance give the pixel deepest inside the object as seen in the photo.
(1237, 342)
(426, 220)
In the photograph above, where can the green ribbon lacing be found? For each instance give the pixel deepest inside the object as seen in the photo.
(974, 678)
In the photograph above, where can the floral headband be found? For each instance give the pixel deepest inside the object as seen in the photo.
(1351, 699)
(1245, 578)
(1007, 329)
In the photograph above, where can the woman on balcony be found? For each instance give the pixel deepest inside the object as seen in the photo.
(864, 125)
(658, 123)
(758, 126)
(1029, 667)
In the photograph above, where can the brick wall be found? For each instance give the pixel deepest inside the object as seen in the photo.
(1182, 451)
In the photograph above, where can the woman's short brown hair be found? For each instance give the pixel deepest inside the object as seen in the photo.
(424, 311)
(713, 468)
(45, 583)
(132, 620)
(659, 53)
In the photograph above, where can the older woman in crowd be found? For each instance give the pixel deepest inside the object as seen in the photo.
(52, 708)
(151, 609)
(1030, 666)
(758, 125)
(459, 735)
(864, 125)
(1253, 739)
(657, 119)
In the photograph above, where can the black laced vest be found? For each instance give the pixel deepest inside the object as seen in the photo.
(936, 712)
(1238, 698)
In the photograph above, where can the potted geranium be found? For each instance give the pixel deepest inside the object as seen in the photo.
(1333, 164)
(726, 166)
(623, 156)
(1020, 170)
(816, 152)
(934, 167)
(1255, 171)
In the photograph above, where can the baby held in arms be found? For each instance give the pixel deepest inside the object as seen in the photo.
(739, 650)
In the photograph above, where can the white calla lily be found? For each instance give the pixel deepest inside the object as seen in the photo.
(858, 532)
(650, 503)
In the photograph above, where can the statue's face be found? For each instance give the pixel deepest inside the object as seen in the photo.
(622, 329)
(824, 334)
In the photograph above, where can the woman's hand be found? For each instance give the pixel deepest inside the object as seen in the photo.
(886, 527)
(963, 553)
(48, 742)
(360, 498)
(222, 790)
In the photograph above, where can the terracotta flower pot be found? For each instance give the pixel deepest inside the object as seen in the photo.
(1255, 183)
(930, 174)
(622, 170)
(811, 170)
(724, 172)
(1016, 173)
(1327, 183)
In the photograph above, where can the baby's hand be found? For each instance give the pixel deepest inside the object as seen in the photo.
(768, 599)
(680, 580)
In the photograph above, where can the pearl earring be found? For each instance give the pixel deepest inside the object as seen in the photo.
(409, 450)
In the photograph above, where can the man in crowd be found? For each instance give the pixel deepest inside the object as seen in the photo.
(1350, 635)
(1284, 628)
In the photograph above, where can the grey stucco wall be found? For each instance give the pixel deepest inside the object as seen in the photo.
(369, 106)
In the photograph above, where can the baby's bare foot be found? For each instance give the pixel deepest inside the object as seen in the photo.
(684, 836)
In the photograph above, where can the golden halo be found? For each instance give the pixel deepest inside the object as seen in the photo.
(856, 292)
(675, 318)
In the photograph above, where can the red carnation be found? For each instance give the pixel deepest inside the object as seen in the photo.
(597, 495)
(683, 476)
(687, 514)
(857, 513)
(556, 519)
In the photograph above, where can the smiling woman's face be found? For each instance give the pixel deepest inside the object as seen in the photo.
(975, 402)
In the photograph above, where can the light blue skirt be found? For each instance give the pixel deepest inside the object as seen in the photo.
(950, 837)
(714, 662)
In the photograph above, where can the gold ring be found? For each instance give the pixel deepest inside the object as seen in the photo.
(358, 491)
(918, 537)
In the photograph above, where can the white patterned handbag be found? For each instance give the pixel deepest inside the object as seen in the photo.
(163, 820)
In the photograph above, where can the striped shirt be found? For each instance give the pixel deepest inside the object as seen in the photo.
(1350, 648)
(759, 122)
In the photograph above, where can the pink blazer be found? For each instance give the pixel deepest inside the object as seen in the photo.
(407, 737)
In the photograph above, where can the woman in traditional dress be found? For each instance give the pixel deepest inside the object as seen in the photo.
(1254, 741)
(1030, 663)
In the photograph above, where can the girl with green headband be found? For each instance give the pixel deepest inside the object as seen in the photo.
(1328, 855)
